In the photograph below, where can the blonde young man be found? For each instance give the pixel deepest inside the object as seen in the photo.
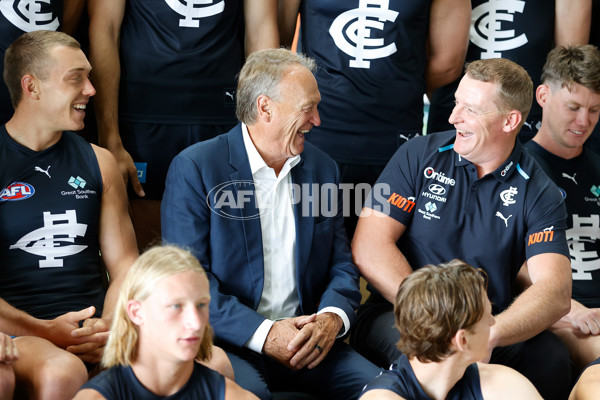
(444, 318)
(160, 328)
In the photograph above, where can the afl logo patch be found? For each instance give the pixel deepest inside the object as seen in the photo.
(17, 191)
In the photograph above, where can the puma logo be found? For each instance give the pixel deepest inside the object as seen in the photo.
(570, 177)
(38, 169)
(499, 215)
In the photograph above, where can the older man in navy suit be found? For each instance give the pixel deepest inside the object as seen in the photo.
(261, 210)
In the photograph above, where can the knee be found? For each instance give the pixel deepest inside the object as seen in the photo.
(59, 377)
(7, 382)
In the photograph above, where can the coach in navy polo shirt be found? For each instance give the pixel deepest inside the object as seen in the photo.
(473, 194)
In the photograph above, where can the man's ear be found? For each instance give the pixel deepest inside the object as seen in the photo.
(264, 106)
(134, 312)
(542, 93)
(513, 119)
(30, 86)
(459, 340)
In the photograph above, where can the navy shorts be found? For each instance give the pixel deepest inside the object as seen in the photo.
(153, 146)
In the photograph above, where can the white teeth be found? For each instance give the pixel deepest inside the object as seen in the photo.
(303, 131)
(577, 132)
(79, 106)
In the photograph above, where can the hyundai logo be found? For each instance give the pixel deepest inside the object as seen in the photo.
(437, 189)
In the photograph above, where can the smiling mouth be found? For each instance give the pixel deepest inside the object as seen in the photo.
(463, 133)
(80, 107)
(579, 133)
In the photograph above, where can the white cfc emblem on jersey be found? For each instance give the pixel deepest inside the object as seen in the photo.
(27, 15)
(193, 10)
(486, 27)
(46, 241)
(586, 230)
(352, 32)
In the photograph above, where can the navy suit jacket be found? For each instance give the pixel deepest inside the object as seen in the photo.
(209, 208)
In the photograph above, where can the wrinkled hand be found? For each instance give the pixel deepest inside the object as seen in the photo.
(59, 330)
(8, 350)
(95, 333)
(314, 340)
(586, 320)
(281, 334)
(127, 168)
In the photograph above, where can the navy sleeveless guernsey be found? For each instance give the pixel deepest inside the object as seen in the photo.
(179, 65)
(524, 34)
(120, 383)
(49, 213)
(579, 181)
(401, 379)
(371, 86)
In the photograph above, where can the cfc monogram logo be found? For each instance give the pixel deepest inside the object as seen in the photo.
(351, 32)
(27, 15)
(486, 24)
(46, 241)
(193, 10)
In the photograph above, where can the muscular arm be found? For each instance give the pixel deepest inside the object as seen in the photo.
(376, 255)
(116, 236)
(72, 10)
(287, 16)
(572, 22)
(119, 250)
(449, 24)
(540, 305)
(105, 18)
(260, 18)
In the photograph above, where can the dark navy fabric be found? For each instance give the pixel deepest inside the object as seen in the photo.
(49, 214)
(524, 34)
(120, 383)
(16, 18)
(401, 379)
(495, 222)
(179, 66)
(579, 181)
(371, 85)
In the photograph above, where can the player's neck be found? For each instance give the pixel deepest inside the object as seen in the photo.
(437, 379)
(31, 136)
(162, 378)
(544, 139)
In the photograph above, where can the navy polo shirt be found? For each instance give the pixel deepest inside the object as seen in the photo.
(495, 222)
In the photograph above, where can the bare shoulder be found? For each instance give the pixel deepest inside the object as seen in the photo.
(108, 167)
(500, 382)
(380, 394)
(588, 385)
(88, 394)
(234, 392)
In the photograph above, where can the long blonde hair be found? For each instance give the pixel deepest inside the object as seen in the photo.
(150, 268)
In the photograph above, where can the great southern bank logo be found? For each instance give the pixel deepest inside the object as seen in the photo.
(193, 10)
(352, 32)
(28, 16)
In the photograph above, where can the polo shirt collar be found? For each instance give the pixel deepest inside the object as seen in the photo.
(504, 171)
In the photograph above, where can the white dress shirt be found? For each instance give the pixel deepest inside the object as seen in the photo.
(279, 299)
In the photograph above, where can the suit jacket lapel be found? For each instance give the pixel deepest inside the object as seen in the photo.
(249, 214)
(303, 178)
